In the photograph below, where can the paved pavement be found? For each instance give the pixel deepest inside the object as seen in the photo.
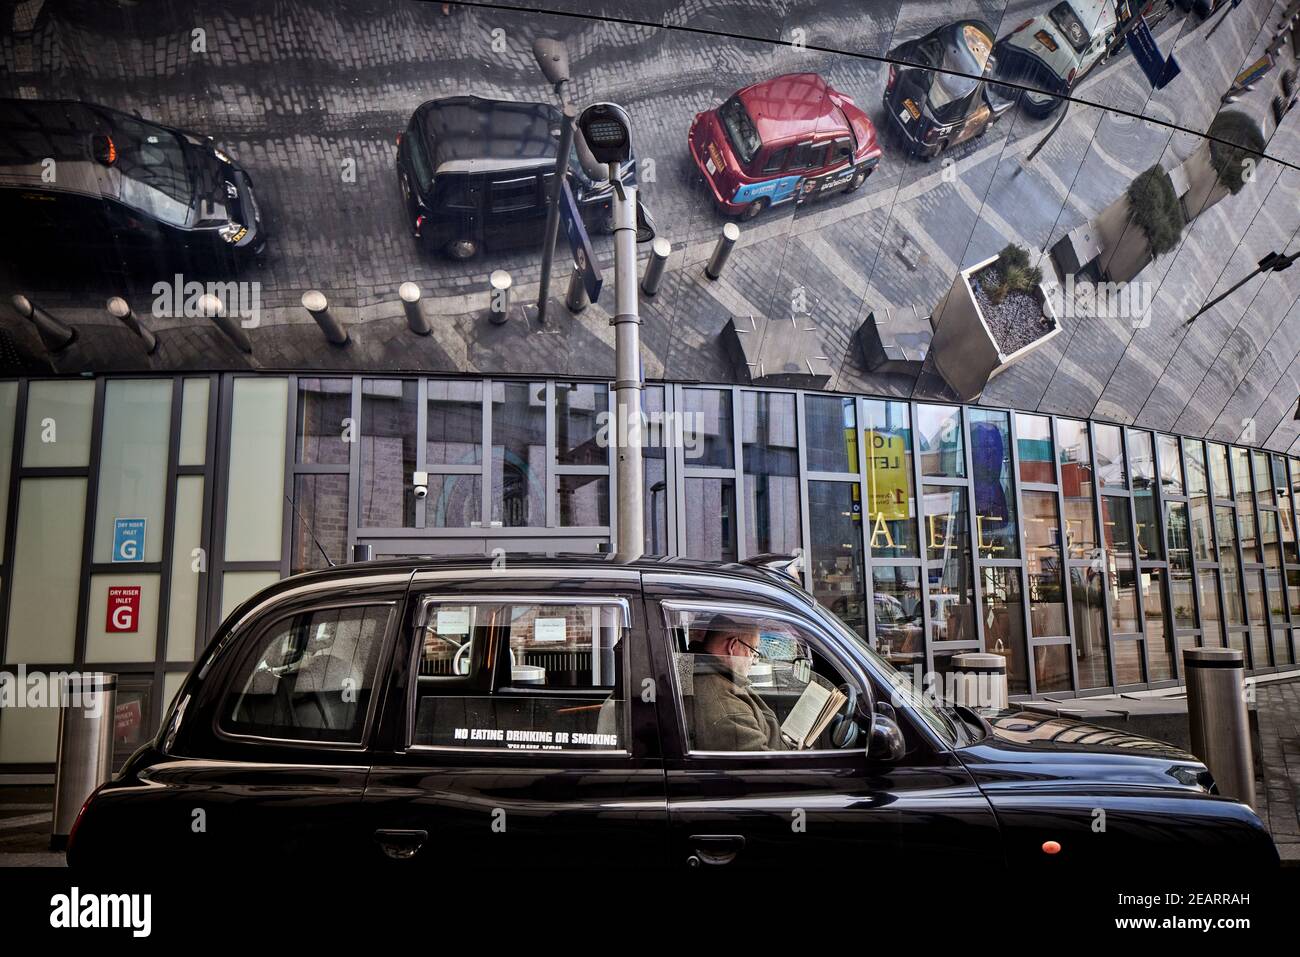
(304, 92)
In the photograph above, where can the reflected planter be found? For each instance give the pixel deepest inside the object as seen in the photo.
(966, 351)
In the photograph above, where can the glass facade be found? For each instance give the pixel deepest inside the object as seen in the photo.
(1088, 555)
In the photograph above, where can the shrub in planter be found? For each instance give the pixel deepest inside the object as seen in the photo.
(1014, 272)
(1156, 210)
(1234, 139)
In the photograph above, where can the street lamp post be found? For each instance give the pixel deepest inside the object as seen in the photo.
(553, 59)
(1273, 262)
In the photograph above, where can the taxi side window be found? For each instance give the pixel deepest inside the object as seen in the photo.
(507, 195)
(521, 675)
(842, 151)
(748, 682)
(776, 159)
(310, 677)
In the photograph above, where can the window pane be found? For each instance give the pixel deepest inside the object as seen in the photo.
(1052, 668)
(1263, 478)
(583, 500)
(133, 468)
(836, 551)
(1046, 587)
(1091, 654)
(389, 410)
(255, 490)
(897, 612)
(832, 434)
(310, 679)
(1171, 473)
(46, 571)
(122, 624)
(1286, 524)
(454, 430)
(1245, 504)
(891, 493)
(1194, 459)
(654, 463)
(939, 430)
(1218, 455)
(1004, 623)
(320, 516)
(1180, 564)
(194, 422)
(1119, 544)
(580, 410)
(771, 455)
(1110, 456)
(995, 497)
(1256, 598)
(519, 453)
(59, 413)
(1076, 485)
(183, 600)
(324, 405)
(1034, 445)
(1128, 661)
(454, 501)
(711, 519)
(1202, 529)
(1160, 645)
(1293, 591)
(1268, 540)
(8, 416)
(708, 426)
(1207, 590)
(1142, 476)
(948, 561)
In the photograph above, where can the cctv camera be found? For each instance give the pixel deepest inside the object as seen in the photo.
(421, 491)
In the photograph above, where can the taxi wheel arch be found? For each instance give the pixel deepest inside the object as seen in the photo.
(858, 179)
(755, 208)
(461, 249)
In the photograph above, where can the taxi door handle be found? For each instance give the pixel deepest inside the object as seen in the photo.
(715, 849)
(399, 844)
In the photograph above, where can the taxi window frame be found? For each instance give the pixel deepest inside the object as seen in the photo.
(430, 598)
(825, 646)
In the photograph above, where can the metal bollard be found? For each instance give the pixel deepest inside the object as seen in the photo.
(212, 307)
(362, 552)
(315, 302)
(1216, 714)
(120, 309)
(87, 703)
(654, 267)
(54, 334)
(722, 251)
(499, 296)
(576, 298)
(981, 680)
(410, 294)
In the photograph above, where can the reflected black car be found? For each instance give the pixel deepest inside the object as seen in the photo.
(477, 174)
(444, 713)
(77, 177)
(935, 97)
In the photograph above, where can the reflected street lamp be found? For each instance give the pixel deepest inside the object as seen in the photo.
(1273, 262)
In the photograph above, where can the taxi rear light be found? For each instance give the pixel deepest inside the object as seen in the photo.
(419, 223)
(72, 832)
(1069, 78)
(893, 75)
(1022, 26)
(1045, 38)
(105, 149)
(399, 139)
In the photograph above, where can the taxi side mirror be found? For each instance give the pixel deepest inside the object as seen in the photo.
(886, 740)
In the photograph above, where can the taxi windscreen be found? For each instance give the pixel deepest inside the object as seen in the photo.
(740, 129)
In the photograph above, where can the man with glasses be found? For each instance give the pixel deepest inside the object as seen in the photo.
(728, 714)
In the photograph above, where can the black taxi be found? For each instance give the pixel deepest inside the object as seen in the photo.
(476, 174)
(585, 710)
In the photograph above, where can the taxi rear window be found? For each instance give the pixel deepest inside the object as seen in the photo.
(740, 129)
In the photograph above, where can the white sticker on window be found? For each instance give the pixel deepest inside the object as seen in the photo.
(548, 629)
(454, 621)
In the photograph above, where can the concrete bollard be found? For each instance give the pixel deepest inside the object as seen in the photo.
(410, 294)
(576, 298)
(120, 309)
(55, 335)
(981, 680)
(655, 265)
(314, 301)
(499, 296)
(722, 251)
(212, 308)
(1216, 715)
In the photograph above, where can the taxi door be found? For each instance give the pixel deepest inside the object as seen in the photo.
(514, 731)
(805, 809)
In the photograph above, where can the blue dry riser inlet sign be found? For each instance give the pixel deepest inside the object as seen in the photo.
(128, 539)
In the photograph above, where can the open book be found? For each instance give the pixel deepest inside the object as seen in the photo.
(810, 715)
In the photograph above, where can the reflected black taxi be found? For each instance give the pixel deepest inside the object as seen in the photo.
(583, 711)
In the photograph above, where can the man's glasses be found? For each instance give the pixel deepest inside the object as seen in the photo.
(752, 648)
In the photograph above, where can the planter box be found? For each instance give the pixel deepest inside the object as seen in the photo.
(964, 349)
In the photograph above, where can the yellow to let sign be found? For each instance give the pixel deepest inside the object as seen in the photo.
(886, 476)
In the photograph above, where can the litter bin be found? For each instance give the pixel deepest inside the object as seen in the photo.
(1217, 718)
(86, 709)
(981, 680)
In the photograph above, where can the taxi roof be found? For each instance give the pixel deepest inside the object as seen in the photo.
(479, 134)
(792, 105)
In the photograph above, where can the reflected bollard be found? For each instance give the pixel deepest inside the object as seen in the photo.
(87, 703)
(722, 251)
(315, 302)
(981, 680)
(499, 296)
(212, 308)
(1216, 714)
(576, 298)
(655, 265)
(120, 309)
(54, 334)
(410, 294)
(362, 552)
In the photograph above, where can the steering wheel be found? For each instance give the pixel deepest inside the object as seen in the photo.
(844, 728)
